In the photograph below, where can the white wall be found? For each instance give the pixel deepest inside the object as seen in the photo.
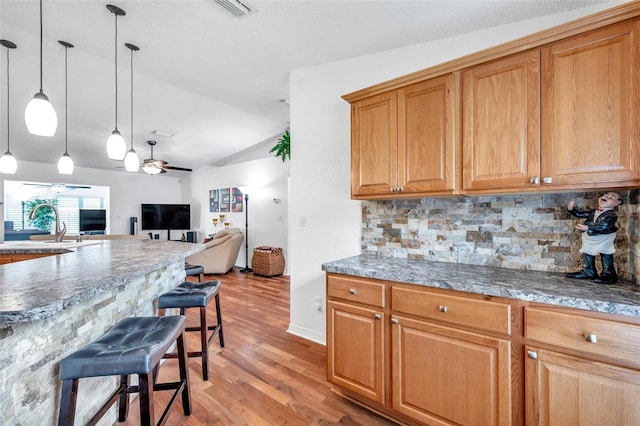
(128, 190)
(267, 220)
(320, 165)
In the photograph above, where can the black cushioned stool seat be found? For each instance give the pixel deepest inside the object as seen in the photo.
(133, 346)
(197, 295)
(192, 270)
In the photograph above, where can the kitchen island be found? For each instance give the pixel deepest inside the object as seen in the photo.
(427, 342)
(53, 305)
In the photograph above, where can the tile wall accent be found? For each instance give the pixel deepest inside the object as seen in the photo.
(512, 231)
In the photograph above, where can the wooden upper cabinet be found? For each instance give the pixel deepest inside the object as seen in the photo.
(374, 148)
(591, 102)
(501, 133)
(426, 148)
(557, 110)
(402, 142)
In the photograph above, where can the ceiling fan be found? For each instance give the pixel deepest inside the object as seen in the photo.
(57, 187)
(153, 166)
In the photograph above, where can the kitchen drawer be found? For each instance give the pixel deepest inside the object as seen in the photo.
(582, 333)
(480, 314)
(357, 290)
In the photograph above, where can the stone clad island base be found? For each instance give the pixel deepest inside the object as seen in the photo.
(31, 350)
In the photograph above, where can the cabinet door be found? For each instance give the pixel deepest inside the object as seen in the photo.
(567, 390)
(355, 349)
(591, 102)
(501, 130)
(445, 376)
(426, 151)
(374, 147)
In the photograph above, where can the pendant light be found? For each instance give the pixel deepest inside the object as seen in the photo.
(65, 163)
(116, 146)
(131, 161)
(8, 163)
(40, 116)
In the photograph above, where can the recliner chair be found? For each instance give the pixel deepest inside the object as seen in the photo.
(220, 254)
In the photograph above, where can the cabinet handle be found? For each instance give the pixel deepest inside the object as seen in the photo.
(591, 338)
(532, 354)
(352, 291)
(547, 180)
(394, 189)
(377, 316)
(535, 180)
(400, 189)
(395, 321)
(442, 309)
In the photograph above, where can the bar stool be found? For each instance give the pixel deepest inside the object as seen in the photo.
(193, 270)
(197, 295)
(133, 346)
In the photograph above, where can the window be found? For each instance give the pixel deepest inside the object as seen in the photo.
(69, 202)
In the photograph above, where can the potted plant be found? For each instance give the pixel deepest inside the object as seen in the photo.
(282, 148)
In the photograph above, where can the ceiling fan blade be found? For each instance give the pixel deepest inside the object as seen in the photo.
(178, 168)
(77, 187)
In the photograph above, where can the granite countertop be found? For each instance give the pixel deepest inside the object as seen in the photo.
(38, 288)
(622, 298)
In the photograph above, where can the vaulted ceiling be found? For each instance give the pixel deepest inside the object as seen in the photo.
(212, 80)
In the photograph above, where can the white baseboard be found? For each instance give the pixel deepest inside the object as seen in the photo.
(308, 334)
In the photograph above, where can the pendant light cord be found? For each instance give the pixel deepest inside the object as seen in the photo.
(66, 102)
(41, 46)
(116, 73)
(8, 138)
(131, 98)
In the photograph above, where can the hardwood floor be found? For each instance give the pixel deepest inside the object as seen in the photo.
(264, 375)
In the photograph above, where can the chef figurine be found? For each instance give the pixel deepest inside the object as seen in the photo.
(598, 235)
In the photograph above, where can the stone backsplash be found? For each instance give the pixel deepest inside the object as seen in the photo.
(511, 231)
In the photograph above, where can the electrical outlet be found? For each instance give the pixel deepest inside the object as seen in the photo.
(318, 303)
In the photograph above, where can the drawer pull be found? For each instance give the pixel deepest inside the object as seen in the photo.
(591, 338)
(532, 354)
(352, 291)
(377, 316)
(442, 309)
(395, 321)
(547, 180)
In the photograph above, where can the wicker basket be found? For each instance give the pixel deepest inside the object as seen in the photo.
(267, 261)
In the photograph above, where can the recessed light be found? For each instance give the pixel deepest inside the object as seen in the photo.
(162, 133)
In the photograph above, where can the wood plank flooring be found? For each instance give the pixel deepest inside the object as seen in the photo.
(264, 375)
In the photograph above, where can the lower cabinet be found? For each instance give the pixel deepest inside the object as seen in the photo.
(446, 376)
(425, 356)
(10, 258)
(580, 369)
(570, 390)
(356, 358)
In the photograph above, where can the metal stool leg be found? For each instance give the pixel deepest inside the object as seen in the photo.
(68, 402)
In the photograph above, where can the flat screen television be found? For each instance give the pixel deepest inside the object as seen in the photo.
(92, 220)
(166, 216)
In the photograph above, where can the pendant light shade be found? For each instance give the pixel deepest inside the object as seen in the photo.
(8, 163)
(40, 117)
(116, 146)
(65, 163)
(131, 161)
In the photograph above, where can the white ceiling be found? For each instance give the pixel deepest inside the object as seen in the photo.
(211, 79)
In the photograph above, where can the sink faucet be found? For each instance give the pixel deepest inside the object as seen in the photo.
(59, 232)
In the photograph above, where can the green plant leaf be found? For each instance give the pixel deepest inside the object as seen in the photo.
(282, 148)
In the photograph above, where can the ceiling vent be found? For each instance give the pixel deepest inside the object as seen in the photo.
(239, 8)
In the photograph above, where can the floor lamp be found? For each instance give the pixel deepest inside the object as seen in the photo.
(246, 234)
